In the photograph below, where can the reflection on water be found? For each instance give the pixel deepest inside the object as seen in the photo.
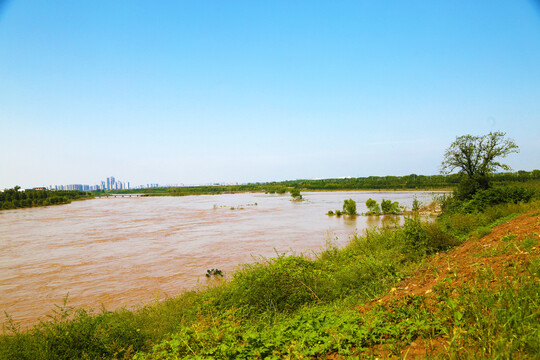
(127, 251)
(384, 220)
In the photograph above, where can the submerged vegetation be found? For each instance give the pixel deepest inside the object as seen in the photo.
(295, 194)
(349, 208)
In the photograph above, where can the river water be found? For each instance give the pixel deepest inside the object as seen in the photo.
(115, 252)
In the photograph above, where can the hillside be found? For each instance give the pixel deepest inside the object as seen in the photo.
(507, 257)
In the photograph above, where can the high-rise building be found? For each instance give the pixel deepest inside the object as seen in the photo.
(111, 182)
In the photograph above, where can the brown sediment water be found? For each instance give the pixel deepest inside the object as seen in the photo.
(116, 252)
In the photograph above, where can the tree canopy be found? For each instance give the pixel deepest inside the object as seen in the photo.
(477, 155)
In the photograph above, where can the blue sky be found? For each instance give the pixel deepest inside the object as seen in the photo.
(225, 91)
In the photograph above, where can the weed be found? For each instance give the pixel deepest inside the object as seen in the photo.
(508, 237)
(529, 242)
(483, 231)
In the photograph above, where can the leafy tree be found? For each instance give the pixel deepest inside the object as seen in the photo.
(475, 157)
(349, 207)
(373, 207)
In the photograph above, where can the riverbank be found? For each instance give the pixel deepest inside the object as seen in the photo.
(15, 199)
(425, 289)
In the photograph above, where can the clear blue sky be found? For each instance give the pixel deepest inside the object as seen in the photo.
(207, 91)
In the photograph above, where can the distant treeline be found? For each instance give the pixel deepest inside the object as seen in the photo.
(13, 198)
(408, 182)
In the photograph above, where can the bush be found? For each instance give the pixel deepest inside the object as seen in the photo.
(295, 194)
(415, 236)
(389, 207)
(349, 207)
(437, 239)
(373, 207)
(416, 204)
(470, 185)
(275, 285)
(484, 199)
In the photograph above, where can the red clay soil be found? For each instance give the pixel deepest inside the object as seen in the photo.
(461, 264)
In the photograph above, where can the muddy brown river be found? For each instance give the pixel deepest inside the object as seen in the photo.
(117, 252)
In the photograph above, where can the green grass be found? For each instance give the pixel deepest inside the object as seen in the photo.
(306, 306)
(477, 322)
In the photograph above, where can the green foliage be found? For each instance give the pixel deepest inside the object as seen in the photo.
(295, 194)
(76, 334)
(373, 207)
(415, 236)
(477, 155)
(497, 323)
(313, 332)
(281, 284)
(330, 213)
(349, 207)
(478, 322)
(484, 199)
(483, 231)
(389, 207)
(470, 185)
(416, 204)
(476, 158)
(13, 198)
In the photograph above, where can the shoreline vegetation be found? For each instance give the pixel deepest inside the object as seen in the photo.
(14, 198)
(464, 285)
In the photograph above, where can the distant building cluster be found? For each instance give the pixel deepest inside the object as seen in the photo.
(110, 184)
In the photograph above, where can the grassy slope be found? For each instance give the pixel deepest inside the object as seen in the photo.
(389, 293)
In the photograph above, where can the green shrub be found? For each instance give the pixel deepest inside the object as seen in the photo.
(485, 199)
(483, 231)
(373, 207)
(416, 204)
(437, 239)
(414, 236)
(275, 285)
(295, 194)
(389, 207)
(349, 207)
